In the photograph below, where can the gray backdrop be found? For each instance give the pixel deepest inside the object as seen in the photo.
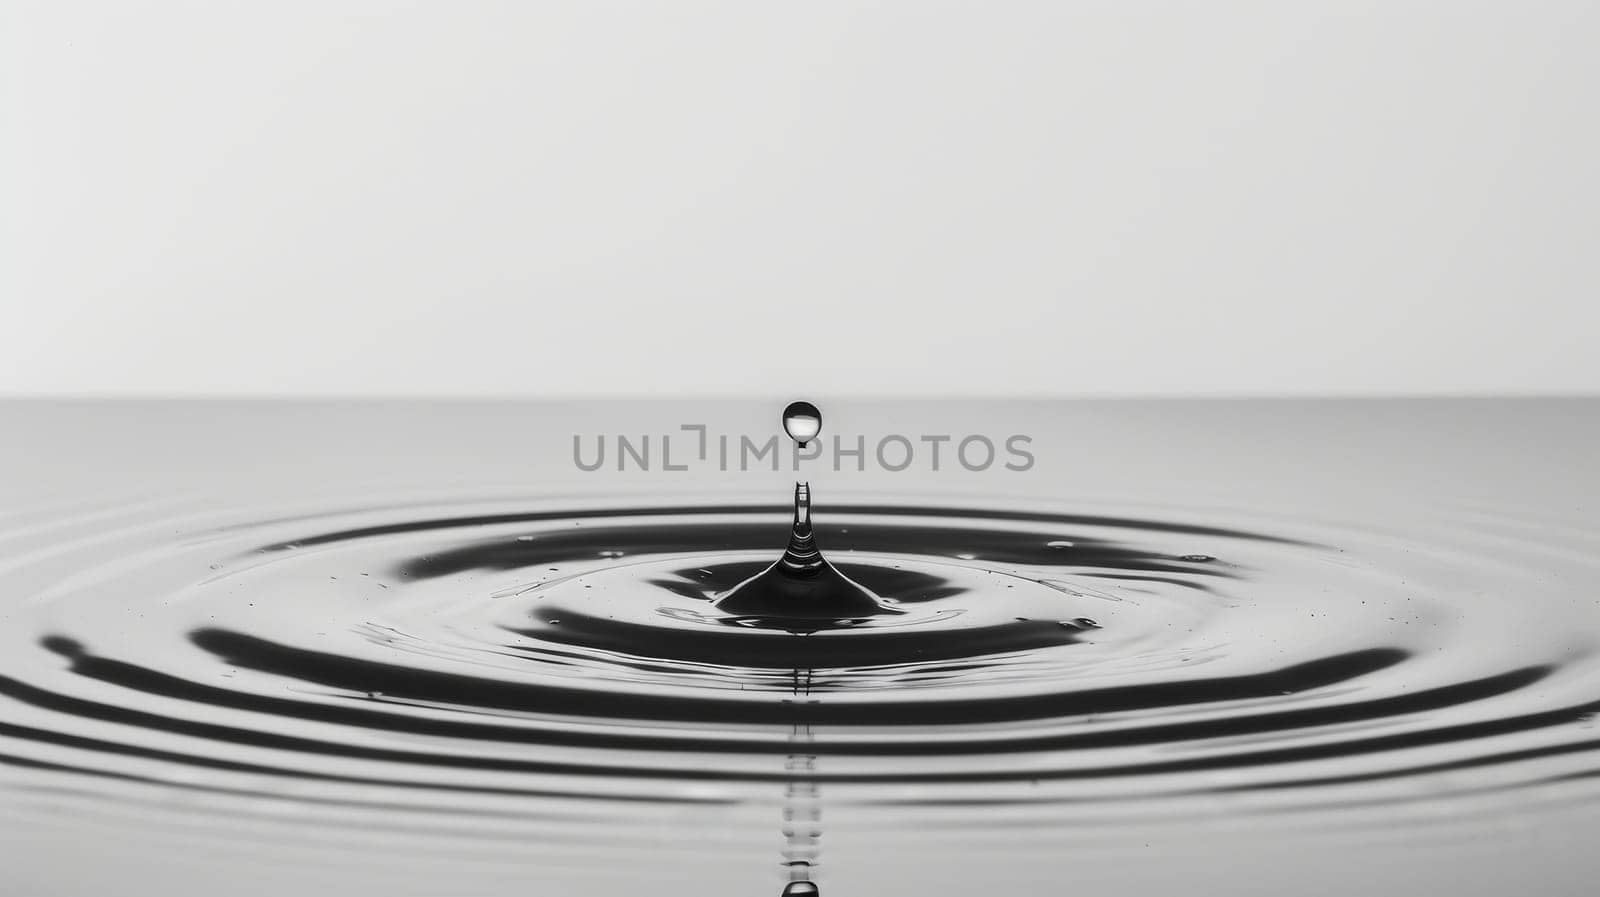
(1073, 198)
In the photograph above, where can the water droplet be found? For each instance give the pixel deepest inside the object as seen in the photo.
(525, 538)
(802, 421)
(1197, 558)
(801, 889)
(611, 554)
(1059, 543)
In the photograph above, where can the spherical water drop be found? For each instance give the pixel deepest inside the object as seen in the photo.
(802, 421)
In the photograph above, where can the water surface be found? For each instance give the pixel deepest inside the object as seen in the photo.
(402, 648)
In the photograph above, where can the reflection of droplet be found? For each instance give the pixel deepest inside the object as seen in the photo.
(801, 889)
(611, 554)
(802, 421)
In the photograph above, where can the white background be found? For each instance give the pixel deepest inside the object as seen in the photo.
(1062, 198)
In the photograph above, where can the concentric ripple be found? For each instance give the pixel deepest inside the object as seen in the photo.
(566, 667)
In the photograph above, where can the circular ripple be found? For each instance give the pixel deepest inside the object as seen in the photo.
(448, 660)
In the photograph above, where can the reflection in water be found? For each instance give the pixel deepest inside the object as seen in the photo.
(802, 804)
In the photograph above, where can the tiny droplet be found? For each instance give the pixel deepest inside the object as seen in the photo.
(802, 421)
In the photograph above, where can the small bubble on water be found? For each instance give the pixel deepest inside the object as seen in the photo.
(802, 421)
